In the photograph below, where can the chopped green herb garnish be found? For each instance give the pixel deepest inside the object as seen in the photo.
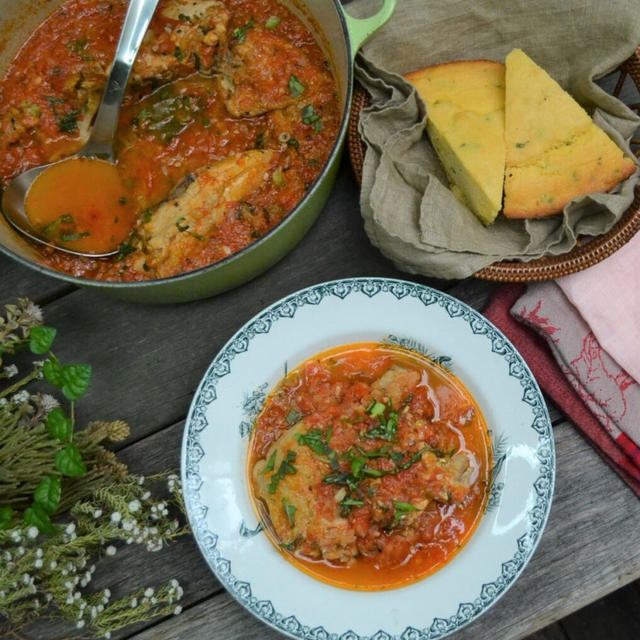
(240, 34)
(292, 142)
(68, 123)
(124, 250)
(376, 408)
(196, 61)
(122, 200)
(184, 18)
(401, 509)
(71, 237)
(178, 54)
(293, 416)
(181, 227)
(271, 463)
(286, 468)
(278, 177)
(272, 22)
(290, 510)
(309, 116)
(296, 88)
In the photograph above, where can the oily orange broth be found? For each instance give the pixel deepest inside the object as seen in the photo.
(453, 525)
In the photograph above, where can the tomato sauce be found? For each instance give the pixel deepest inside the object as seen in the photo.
(170, 128)
(370, 466)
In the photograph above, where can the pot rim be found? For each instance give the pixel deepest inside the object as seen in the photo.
(220, 264)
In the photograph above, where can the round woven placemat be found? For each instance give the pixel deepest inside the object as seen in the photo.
(587, 252)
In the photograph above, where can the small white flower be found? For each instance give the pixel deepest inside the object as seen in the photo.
(26, 579)
(97, 513)
(20, 397)
(70, 528)
(20, 550)
(100, 608)
(116, 516)
(107, 593)
(148, 592)
(134, 506)
(3, 402)
(39, 553)
(48, 402)
(107, 635)
(128, 524)
(177, 611)
(134, 603)
(15, 536)
(33, 312)
(10, 371)
(146, 495)
(140, 480)
(38, 563)
(80, 624)
(53, 564)
(110, 550)
(93, 612)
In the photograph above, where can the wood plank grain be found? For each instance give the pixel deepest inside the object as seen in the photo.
(583, 555)
(19, 281)
(615, 616)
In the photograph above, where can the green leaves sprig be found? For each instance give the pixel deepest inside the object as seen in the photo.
(73, 380)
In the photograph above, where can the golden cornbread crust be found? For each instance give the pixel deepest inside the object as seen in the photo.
(554, 151)
(465, 123)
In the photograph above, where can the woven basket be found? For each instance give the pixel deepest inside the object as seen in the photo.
(587, 252)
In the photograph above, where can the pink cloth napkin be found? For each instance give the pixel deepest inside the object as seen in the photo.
(609, 392)
(607, 296)
(623, 456)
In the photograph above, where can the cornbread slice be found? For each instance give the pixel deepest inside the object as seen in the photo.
(554, 151)
(465, 122)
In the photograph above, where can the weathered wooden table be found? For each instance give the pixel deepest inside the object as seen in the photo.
(148, 360)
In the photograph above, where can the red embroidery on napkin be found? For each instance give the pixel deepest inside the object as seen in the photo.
(539, 321)
(608, 388)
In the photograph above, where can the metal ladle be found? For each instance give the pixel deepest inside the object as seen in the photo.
(100, 142)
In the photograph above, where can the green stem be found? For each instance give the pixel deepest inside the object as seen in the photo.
(18, 385)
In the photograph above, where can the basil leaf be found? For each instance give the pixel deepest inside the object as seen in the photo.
(47, 493)
(290, 510)
(293, 416)
(75, 380)
(272, 22)
(58, 425)
(41, 339)
(296, 88)
(286, 468)
(271, 463)
(52, 371)
(69, 462)
(36, 516)
(6, 515)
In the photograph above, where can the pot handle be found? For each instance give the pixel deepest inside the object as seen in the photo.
(361, 29)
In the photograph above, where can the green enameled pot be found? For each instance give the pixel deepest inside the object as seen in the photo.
(340, 34)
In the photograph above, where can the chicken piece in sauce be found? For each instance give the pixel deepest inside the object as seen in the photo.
(263, 72)
(177, 231)
(187, 38)
(372, 479)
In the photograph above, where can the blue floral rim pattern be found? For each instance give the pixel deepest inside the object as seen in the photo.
(287, 308)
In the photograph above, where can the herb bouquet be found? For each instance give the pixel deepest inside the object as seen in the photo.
(65, 500)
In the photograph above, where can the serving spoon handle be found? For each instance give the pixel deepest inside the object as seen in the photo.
(137, 19)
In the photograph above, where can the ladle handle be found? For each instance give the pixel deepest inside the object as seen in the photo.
(136, 22)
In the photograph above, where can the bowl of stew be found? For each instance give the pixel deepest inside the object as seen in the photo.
(372, 445)
(228, 142)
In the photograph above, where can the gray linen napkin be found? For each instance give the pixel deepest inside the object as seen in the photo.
(409, 212)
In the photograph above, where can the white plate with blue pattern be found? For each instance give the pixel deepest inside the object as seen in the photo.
(279, 338)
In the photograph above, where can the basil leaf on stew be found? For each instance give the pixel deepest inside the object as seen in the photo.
(286, 468)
